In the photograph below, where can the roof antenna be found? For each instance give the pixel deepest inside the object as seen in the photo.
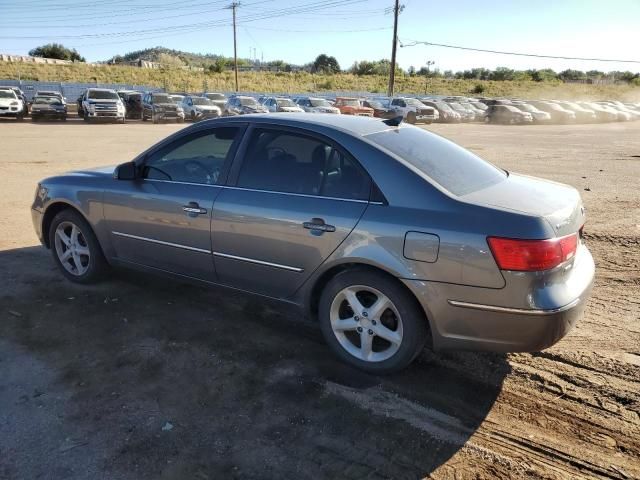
(394, 122)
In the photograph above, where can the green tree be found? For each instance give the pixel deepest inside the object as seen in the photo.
(56, 50)
(325, 64)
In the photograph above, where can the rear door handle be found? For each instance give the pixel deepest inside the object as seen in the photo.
(193, 209)
(317, 226)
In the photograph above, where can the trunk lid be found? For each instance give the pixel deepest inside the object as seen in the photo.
(557, 203)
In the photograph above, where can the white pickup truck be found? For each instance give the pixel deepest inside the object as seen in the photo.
(101, 103)
(413, 110)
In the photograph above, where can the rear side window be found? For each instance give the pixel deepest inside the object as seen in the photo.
(295, 163)
(452, 167)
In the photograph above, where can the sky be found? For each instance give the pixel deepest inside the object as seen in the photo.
(351, 30)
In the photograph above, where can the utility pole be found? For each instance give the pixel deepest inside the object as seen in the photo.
(392, 74)
(233, 7)
(426, 77)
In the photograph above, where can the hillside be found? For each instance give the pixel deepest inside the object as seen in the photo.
(162, 54)
(294, 82)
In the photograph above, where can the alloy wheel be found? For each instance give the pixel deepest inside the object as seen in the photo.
(72, 248)
(366, 323)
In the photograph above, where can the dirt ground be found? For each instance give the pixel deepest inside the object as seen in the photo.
(144, 378)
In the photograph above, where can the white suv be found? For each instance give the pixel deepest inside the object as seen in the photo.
(10, 104)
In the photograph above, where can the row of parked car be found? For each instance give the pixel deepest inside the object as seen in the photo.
(118, 106)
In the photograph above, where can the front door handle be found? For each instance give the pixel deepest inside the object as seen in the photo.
(193, 209)
(318, 227)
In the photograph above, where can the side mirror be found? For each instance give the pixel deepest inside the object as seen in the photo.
(126, 171)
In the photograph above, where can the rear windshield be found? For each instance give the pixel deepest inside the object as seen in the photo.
(103, 95)
(452, 167)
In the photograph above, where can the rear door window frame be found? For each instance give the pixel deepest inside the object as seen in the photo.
(240, 156)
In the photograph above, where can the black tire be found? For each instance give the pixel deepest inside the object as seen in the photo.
(34, 118)
(20, 117)
(411, 118)
(97, 265)
(414, 322)
(144, 118)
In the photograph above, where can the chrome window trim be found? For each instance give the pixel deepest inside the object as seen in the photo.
(305, 195)
(263, 191)
(183, 183)
(519, 311)
(160, 242)
(259, 262)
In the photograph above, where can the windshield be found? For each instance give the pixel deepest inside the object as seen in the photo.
(176, 98)
(285, 102)
(7, 94)
(414, 103)
(441, 106)
(201, 101)
(456, 106)
(318, 102)
(48, 100)
(248, 102)
(452, 167)
(527, 108)
(103, 95)
(511, 108)
(376, 105)
(215, 96)
(161, 99)
(479, 105)
(349, 102)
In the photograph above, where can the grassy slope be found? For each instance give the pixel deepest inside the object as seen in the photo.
(178, 80)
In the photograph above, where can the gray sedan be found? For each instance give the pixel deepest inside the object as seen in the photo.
(390, 236)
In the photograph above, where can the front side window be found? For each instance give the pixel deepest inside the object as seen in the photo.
(196, 159)
(452, 167)
(294, 163)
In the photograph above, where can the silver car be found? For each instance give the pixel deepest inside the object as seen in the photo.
(390, 236)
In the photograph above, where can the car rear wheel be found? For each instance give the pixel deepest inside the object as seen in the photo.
(75, 248)
(371, 322)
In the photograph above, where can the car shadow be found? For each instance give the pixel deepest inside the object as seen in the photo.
(142, 377)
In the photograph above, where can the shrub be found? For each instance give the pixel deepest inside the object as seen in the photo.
(479, 88)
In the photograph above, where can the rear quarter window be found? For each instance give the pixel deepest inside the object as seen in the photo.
(454, 168)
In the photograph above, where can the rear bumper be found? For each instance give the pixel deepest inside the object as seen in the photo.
(529, 314)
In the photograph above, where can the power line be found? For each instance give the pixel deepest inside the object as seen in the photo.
(310, 7)
(413, 43)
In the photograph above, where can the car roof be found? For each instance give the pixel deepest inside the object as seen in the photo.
(352, 124)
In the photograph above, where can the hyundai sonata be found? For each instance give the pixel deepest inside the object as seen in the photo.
(390, 236)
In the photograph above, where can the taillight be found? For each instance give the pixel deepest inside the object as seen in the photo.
(532, 255)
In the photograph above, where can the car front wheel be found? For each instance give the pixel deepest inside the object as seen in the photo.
(75, 248)
(371, 322)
